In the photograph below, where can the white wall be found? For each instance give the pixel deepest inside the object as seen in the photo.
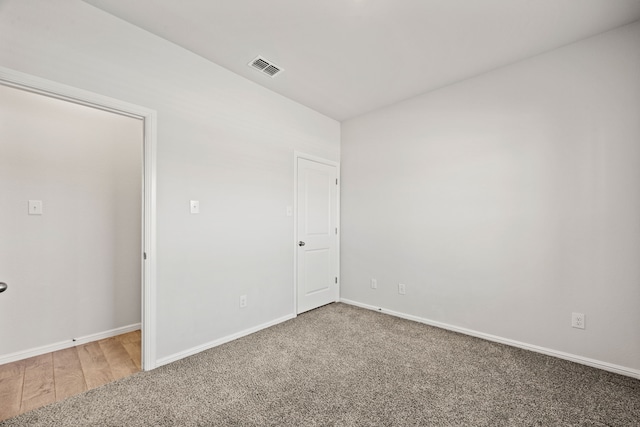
(221, 139)
(74, 270)
(508, 201)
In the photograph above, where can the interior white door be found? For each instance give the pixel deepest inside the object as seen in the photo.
(317, 239)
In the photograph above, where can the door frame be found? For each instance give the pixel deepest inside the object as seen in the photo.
(20, 80)
(299, 155)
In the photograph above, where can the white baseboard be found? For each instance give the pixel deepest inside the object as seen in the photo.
(622, 370)
(25, 354)
(194, 350)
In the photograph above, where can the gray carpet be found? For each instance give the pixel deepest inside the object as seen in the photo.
(345, 366)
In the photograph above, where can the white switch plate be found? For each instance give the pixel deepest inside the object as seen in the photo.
(243, 301)
(289, 211)
(195, 206)
(35, 207)
(374, 284)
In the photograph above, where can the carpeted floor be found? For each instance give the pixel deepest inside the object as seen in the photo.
(345, 366)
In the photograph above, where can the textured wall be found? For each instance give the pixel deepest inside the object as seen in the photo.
(222, 140)
(507, 201)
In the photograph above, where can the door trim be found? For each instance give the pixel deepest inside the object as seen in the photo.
(298, 155)
(53, 89)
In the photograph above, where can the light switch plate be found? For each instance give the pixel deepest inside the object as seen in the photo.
(195, 206)
(35, 207)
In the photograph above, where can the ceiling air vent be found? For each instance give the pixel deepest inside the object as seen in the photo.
(265, 66)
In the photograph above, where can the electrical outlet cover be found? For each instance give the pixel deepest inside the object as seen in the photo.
(402, 288)
(577, 320)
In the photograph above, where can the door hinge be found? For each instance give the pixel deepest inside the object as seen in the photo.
(336, 230)
(144, 255)
(336, 280)
(336, 181)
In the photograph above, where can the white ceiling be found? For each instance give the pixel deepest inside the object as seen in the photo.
(347, 57)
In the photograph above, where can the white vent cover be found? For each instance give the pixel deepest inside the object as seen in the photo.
(265, 66)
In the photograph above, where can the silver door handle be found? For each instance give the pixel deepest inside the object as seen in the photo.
(3, 287)
(301, 243)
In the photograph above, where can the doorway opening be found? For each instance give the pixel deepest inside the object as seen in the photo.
(24, 82)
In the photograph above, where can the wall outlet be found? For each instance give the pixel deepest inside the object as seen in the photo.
(402, 288)
(243, 301)
(374, 284)
(577, 320)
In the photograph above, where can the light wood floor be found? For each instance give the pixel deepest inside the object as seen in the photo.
(30, 383)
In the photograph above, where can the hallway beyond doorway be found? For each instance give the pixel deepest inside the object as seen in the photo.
(38, 381)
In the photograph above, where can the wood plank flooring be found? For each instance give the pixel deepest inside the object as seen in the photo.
(31, 383)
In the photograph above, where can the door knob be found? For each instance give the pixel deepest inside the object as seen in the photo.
(3, 287)
(301, 243)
